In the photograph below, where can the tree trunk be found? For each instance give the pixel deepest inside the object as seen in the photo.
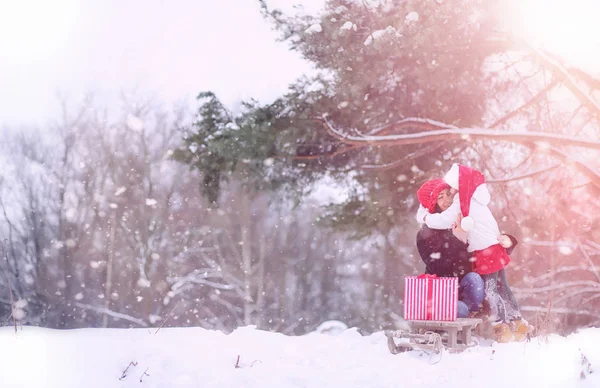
(246, 257)
(260, 282)
(109, 267)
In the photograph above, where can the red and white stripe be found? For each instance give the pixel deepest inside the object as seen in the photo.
(444, 298)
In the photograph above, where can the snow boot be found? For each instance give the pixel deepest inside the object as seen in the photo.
(502, 332)
(521, 329)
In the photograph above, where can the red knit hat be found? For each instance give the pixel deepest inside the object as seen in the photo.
(465, 180)
(429, 191)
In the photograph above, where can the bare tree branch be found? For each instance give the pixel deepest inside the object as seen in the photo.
(553, 287)
(115, 314)
(593, 82)
(537, 98)
(561, 311)
(561, 73)
(451, 132)
(589, 260)
(412, 155)
(523, 176)
(560, 270)
(590, 173)
(200, 276)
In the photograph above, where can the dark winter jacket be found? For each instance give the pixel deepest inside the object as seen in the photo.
(444, 255)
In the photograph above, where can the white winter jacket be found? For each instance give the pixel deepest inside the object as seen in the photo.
(485, 231)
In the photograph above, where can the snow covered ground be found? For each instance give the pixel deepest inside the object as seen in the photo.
(194, 357)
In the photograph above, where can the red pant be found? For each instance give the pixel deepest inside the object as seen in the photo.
(490, 260)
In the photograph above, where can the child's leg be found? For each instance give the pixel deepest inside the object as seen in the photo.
(500, 323)
(492, 296)
(512, 306)
(518, 325)
(471, 291)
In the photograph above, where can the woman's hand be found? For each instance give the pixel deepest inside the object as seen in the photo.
(457, 231)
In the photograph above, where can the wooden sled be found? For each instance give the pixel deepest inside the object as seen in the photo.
(433, 336)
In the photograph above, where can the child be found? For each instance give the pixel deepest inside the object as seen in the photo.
(470, 206)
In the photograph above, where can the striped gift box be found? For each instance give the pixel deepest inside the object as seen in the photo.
(430, 298)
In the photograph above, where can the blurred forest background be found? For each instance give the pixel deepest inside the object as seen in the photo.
(287, 214)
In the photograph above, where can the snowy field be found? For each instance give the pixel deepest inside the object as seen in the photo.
(193, 357)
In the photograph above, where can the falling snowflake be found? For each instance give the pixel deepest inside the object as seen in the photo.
(565, 250)
(435, 255)
(348, 26)
(120, 191)
(21, 303)
(29, 279)
(70, 214)
(412, 17)
(314, 28)
(19, 314)
(143, 283)
(151, 202)
(415, 169)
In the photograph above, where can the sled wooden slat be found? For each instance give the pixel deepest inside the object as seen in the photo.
(459, 330)
(460, 322)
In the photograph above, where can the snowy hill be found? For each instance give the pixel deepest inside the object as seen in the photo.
(193, 357)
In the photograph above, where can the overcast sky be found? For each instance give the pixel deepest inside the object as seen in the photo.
(173, 49)
(170, 49)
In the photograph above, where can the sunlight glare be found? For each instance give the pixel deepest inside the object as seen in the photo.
(568, 28)
(30, 29)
